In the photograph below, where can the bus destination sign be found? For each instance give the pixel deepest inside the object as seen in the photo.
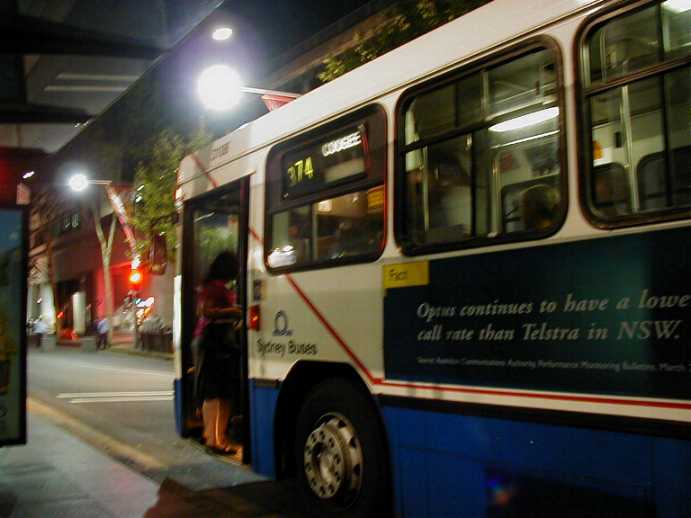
(313, 166)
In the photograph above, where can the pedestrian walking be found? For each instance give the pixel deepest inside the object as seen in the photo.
(102, 328)
(40, 329)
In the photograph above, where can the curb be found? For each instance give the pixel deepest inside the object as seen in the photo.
(116, 449)
(136, 352)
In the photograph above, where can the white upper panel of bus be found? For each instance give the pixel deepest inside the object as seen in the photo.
(480, 30)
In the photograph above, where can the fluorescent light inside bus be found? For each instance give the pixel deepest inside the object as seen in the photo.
(678, 6)
(525, 121)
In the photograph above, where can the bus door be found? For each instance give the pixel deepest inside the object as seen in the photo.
(213, 223)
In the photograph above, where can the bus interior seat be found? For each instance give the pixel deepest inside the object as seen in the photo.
(651, 177)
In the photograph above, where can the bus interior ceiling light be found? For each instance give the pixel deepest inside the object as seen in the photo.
(78, 182)
(219, 87)
(678, 6)
(527, 120)
(28, 174)
(222, 33)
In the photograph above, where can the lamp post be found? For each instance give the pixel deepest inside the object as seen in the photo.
(220, 89)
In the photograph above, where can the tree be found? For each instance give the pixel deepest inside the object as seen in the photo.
(155, 183)
(106, 245)
(406, 21)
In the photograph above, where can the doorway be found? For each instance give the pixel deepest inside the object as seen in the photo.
(213, 223)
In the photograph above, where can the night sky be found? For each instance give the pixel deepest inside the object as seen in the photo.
(282, 24)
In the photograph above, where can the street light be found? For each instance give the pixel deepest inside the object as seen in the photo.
(220, 88)
(222, 33)
(79, 182)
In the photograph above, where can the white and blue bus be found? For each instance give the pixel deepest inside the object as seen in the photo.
(465, 270)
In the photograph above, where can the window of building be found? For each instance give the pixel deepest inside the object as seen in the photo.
(637, 74)
(480, 156)
(66, 223)
(325, 194)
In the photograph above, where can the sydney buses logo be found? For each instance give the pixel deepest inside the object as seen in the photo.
(281, 324)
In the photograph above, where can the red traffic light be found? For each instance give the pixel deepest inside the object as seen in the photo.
(135, 278)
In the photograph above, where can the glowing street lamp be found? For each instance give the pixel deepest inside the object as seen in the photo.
(78, 182)
(222, 33)
(220, 89)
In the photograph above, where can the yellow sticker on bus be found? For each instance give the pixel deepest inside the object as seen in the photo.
(403, 275)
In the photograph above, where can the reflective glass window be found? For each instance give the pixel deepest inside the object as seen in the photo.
(640, 127)
(494, 170)
(325, 194)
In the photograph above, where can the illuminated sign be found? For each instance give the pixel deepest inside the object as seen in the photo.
(324, 162)
(341, 144)
(299, 171)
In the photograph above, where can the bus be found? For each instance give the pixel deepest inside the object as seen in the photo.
(465, 270)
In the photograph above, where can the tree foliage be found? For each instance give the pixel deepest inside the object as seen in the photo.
(155, 183)
(405, 22)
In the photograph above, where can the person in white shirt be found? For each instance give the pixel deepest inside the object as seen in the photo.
(102, 328)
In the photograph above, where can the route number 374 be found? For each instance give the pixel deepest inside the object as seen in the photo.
(300, 171)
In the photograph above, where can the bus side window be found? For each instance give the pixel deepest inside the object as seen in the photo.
(472, 140)
(640, 128)
(325, 194)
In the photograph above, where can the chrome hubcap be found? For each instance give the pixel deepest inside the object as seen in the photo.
(333, 458)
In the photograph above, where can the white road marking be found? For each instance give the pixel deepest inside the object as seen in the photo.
(121, 399)
(68, 395)
(121, 370)
(117, 397)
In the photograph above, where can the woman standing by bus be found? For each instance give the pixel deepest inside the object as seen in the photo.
(218, 355)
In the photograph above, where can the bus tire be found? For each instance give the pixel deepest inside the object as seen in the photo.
(340, 453)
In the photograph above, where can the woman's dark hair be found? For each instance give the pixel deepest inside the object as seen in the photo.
(223, 268)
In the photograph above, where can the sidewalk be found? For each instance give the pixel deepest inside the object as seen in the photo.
(123, 343)
(58, 475)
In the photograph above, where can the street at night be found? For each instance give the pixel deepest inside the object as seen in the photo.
(122, 405)
(345, 259)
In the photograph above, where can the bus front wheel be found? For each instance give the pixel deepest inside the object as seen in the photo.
(340, 454)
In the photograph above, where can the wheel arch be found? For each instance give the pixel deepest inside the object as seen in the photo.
(302, 378)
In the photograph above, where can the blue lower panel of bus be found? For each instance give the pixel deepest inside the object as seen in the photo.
(450, 465)
(263, 405)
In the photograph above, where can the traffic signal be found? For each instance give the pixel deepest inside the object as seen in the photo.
(135, 279)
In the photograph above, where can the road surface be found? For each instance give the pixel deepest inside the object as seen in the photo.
(123, 404)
